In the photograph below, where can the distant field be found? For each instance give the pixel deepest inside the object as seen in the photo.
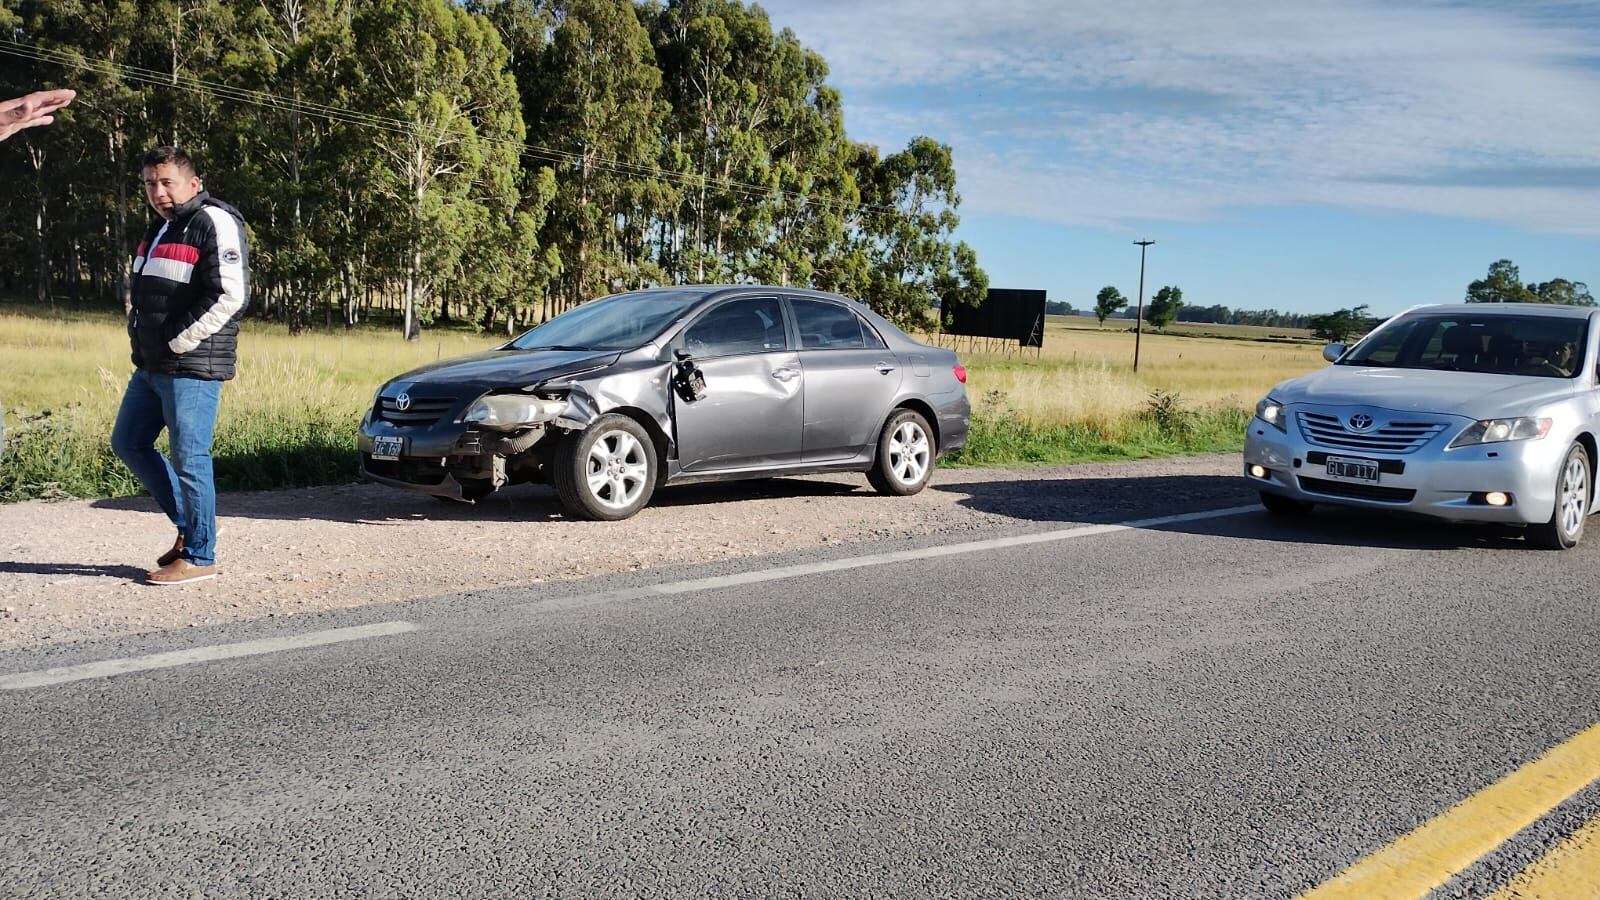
(290, 416)
(1086, 374)
(1256, 332)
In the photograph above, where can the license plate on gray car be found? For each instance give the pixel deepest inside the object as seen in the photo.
(388, 447)
(1352, 469)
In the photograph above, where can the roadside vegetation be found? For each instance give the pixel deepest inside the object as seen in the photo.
(290, 417)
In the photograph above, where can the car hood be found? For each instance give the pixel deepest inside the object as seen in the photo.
(1474, 395)
(507, 368)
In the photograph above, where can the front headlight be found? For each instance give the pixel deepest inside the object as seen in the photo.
(1272, 412)
(508, 412)
(1495, 431)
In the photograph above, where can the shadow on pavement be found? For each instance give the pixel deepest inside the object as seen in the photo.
(1358, 528)
(1041, 500)
(375, 505)
(1098, 500)
(131, 573)
(1102, 499)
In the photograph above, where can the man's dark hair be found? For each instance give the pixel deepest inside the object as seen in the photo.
(163, 155)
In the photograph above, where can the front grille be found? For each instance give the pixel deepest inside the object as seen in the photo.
(1356, 491)
(423, 411)
(1326, 430)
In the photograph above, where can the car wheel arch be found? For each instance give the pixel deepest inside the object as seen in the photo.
(1587, 439)
(922, 408)
(658, 435)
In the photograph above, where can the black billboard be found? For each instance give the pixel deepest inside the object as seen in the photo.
(1013, 315)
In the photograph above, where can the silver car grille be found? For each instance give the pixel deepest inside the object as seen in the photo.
(421, 411)
(1326, 430)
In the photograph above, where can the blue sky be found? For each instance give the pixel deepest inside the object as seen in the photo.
(1282, 154)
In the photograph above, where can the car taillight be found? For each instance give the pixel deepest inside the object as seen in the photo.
(961, 373)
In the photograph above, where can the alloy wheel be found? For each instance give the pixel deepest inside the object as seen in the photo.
(1574, 494)
(909, 451)
(617, 469)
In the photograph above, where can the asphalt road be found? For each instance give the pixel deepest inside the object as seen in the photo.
(1230, 706)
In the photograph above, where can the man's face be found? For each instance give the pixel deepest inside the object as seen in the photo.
(167, 186)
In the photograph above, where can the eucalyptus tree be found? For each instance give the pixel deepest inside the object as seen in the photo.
(600, 116)
(102, 139)
(435, 77)
(906, 229)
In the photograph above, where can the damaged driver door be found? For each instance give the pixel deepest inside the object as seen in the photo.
(751, 413)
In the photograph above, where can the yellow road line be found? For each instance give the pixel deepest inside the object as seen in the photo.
(1450, 842)
(1570, 871)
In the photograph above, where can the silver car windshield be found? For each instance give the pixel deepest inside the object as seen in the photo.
(618, 322)
(1538, 346)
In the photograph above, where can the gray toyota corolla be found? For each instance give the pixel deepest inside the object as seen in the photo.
(1478, 413)
(618, 396)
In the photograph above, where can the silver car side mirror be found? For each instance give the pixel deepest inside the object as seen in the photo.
(1332, 352)
(687, 379)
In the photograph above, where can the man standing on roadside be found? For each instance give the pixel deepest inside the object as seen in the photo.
(190, 287)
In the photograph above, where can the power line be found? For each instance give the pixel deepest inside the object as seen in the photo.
(406, 128)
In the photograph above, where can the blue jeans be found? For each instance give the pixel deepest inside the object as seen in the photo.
(183, 487)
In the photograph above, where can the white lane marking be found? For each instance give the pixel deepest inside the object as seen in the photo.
(876, 559)
(107, 668)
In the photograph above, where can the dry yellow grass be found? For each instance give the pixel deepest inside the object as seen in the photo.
(83, 359)
(1086, 374)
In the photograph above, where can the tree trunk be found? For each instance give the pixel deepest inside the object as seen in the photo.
(118, 229)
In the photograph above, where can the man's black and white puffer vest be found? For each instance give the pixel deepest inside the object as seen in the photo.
(190, 288)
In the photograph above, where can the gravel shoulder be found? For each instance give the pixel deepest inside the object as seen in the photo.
(71, 571)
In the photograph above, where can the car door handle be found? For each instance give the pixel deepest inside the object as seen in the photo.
(885, 368)
(785, 374)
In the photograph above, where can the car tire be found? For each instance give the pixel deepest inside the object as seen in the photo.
(906, 452)
(608, 471)
(1279, 505)
(1574, 491)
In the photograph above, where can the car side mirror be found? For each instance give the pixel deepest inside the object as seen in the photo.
(687, 379)
(1332, 352)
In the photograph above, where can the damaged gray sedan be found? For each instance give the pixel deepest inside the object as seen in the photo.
(619, 396)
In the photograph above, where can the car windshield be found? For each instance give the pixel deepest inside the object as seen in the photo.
(618, 322)
(1535, 345)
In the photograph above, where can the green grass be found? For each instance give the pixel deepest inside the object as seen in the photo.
(290, 418)
(1165, 427)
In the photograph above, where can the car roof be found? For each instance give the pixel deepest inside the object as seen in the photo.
(714, 291)
(1555, 310)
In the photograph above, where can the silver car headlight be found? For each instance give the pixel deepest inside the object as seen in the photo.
(508, 412)
(1272, 412)
(1496, 431)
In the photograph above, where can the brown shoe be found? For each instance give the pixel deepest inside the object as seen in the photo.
(180, 572)
(173, 555)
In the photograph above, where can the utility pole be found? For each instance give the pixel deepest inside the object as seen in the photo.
(1138, 323)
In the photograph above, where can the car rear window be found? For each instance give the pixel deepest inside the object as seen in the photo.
(1533, 345)
(829, 326)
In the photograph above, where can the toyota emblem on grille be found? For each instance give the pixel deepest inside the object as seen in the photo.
(403, 402)
(1358, 422)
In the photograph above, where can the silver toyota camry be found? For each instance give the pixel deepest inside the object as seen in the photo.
(618, 396)
(1476, 413)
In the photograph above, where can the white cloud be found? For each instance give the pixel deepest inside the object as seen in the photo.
(1100, 113)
